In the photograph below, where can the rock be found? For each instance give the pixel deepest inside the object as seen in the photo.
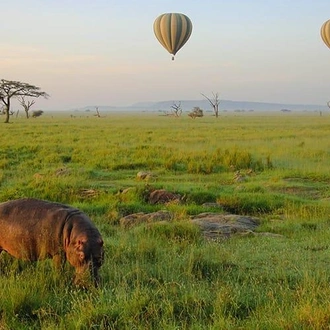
(144, 175)
(126, 190)
(215, 225)
(161, 196)
(213, 205)
(62, 171)
(239, 177)
(86, 193)
(138, 218)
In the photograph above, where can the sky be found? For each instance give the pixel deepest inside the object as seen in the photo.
(104, 52)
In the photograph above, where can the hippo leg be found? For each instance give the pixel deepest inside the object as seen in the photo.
(95, 275)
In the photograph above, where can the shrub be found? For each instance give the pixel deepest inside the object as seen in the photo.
(253, 204)
(201, 197)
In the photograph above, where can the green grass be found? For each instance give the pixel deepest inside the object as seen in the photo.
(165, 275)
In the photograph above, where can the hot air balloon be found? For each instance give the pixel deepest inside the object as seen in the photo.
(172, 30)
(325, 33)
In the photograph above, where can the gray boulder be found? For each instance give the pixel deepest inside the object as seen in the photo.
(162, 196)
(132, 220)
(215, 225)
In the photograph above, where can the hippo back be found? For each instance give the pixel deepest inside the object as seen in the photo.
(34, 227)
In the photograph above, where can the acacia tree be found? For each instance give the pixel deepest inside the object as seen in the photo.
(10, 89)
(214, 103)
(26, 104)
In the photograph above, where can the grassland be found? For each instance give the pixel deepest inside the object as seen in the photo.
(168, 276)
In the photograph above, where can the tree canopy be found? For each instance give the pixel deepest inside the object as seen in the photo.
(14, 89)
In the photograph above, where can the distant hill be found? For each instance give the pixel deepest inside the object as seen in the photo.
(225, 105)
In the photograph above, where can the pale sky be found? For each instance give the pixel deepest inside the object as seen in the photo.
(104, 52)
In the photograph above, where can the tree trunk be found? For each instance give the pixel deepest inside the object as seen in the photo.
(7, 117)
(216, 111)
(7, 105)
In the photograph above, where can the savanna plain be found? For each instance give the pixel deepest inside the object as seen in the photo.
(166, 275)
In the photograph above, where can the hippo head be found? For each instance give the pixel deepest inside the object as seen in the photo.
(86, 255)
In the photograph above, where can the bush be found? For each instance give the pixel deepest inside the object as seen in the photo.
(201, 197)
(253, 204)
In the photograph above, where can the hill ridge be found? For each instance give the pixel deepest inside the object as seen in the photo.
(225, 105)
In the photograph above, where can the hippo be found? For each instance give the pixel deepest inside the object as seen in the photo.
(33, 229)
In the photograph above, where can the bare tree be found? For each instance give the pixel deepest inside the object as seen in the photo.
(176, 109)
(215, 101)
(26, 104)
(14, 89)
(97, 112)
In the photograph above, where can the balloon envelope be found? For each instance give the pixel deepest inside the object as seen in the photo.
(325, 33)
(172, 30)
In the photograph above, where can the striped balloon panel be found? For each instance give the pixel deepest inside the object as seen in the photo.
(172, 31)
(325, 33)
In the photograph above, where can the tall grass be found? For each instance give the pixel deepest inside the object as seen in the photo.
(166, 275)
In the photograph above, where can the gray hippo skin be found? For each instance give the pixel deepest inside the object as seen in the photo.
(32, 229)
